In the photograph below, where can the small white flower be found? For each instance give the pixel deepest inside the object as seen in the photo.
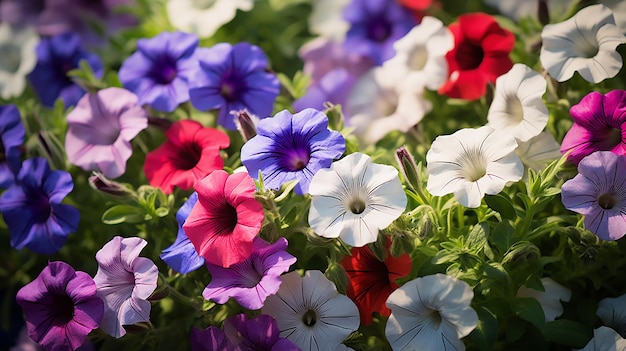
(326, 19)
(612, 312)
(17, 58)
(605, 339)
(421, 54)
(430, 313)
(585, 44)
(204, 17)
(471, 163)
(311, 313)
(549, 299)
(517, 108)
(354, 199)
(539, 151)
(377, 104)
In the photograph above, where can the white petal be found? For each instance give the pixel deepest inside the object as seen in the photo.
(549, 299)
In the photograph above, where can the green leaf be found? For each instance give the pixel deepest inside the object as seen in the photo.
(161, 212)
(530, 310)
(123, 213)
(486, 330)
(567, 332)
(477, 238)
(502, 204)
(502, 236)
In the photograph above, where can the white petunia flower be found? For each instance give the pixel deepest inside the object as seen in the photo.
(326, 19)
(585, 44)
(17, 58)
(430, 313)
(618, 7)
(549, 299)
(421, 54)
(605, 339)
(517, 108)
(311, 313)
(377, 104)
(204, 17)
(354, 199)
(471, 163)
(612, 312)
(539, 151)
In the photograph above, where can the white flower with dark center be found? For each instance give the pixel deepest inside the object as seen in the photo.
(430, 313)
(17, 58)
(377, 104)
(605, 339)
(354, 199)
(585, 44)
(311, 313)
(204, 17)
(539, 151)
(421, 54)
(471, 163)
(612, 312)
(517, 108)
(549, 299)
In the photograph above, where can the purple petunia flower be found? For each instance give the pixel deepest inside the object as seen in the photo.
(599, 193)
(124, 282)
(55, 57)
(292, 147)
(233, 78)
(181, 255)
(599, 125)
(61, 307)
(161, 69)
(251, 281)
(210, 339)
(12, 137)
(256, 333)
(33, 211)
(100, 129)
(374, 26)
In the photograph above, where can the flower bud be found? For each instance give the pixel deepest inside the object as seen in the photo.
(246, 124)
(101, 183)
(409, 168)
(337, 274)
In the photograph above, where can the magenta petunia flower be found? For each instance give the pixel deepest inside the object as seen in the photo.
(61, 307)
(256, 333)
(599, 193)
(251, 281)
(100, 129)
(124, 282)
(599, 125)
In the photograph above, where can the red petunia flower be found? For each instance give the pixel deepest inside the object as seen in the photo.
(480, 54)
(416, 5)
(370, 281)
(226, 218)
(190, 152)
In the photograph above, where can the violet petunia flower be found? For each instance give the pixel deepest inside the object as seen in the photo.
(181, 255)
(33, 211)
(100, 129)
(599, 193)
(233, 78)
(599, 125)
(256, 333)
(210, 339)
(292, 147)
(124, 282)
(375, 25)
(161, 69)
(12, 137)
(61, 307)
(251, 281)
(55, 57)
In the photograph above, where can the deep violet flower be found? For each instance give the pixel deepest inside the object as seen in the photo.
(33, 211)
(100, 129)
(480, 54)
(210, 339)
(11, 138)
(226, 218)
(598, 125)
(233, 78)
(55, 57)
(124, 282)
(256, 333)
(374, 26)
(160, 71)
(251, 281)
(61, 307)
(598, 192)
(292, 147)
(181, 255)
(190, 153)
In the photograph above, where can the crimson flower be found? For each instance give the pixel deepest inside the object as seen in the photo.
(226, 218)
(190, 152)
(370, 281)
(480, 54)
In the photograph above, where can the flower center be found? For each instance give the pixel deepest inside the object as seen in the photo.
(435, 319)
(386, 103)
(378, 30)
(469, 56)
(40, 205)
(357, 206)
(62, 310)
(188, 156)
(231, 87)
(10, 58)
(228, 219)
(164, 70)
(297, 159)
(607, 201)
(253, 273)
(309, 318)
(586, 47)
(418, 58)
(3, 156)
(473, 165)
(202, 4)
(515, 110)
(613, 138)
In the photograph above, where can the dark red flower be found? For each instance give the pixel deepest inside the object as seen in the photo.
(480, 54)
(190, 152)
(370, 281)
